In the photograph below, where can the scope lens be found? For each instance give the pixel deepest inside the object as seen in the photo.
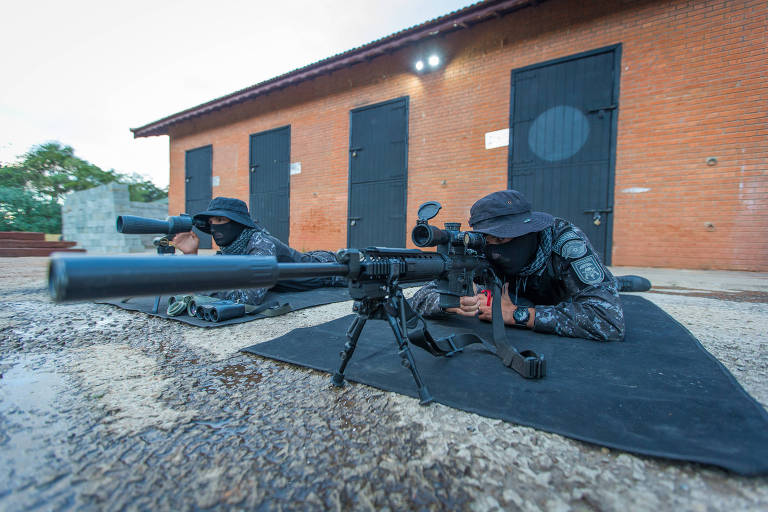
(421, 235)
(474, 241)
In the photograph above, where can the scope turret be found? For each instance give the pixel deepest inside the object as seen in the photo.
(131, 225)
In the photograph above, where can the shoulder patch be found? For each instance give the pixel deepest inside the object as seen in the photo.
(573, 249)
(564, 239)
(589, 270)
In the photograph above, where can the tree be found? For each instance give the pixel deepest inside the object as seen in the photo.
(21, 210)
(143, 190)
(39, 181)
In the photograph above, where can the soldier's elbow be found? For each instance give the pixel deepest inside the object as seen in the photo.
(614, 331)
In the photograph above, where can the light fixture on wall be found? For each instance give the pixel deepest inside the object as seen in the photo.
(430, 63)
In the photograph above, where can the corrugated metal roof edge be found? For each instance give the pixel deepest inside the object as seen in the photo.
(455, 20)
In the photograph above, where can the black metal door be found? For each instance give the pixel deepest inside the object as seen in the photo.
(270, 180)
(563, 139)
(378, 157)
(198, 189)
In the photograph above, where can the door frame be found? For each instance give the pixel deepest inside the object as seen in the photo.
(616, 50)
(250, 163)
(406, 100)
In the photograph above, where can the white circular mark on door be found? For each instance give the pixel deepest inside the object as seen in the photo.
(558, 133)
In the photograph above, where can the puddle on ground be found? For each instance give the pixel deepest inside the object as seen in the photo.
(236, 374)
(29, 418)
(735, 296)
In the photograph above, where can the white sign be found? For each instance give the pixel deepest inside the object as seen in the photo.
(497, 139)
(295, 168)
(215, 181)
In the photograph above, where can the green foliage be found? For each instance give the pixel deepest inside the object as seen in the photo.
(142, 190)
(33, 188)
(22, 210)
(51, 170)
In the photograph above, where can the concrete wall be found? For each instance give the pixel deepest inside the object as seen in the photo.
(89, 216)
(692, 87)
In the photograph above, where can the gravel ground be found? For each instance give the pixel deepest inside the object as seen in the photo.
(106, 409)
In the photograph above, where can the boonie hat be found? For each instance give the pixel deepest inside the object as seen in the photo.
(507, 214)
(233, 209)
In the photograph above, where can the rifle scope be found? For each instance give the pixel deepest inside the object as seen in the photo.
(131, 225)
(425, 235)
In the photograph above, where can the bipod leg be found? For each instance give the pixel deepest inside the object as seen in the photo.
(406, 356)
(353, 333)
(156, 307)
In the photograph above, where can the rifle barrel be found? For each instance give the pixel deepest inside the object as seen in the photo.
(96, 277)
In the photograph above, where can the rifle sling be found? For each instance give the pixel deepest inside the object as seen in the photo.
(527, 363)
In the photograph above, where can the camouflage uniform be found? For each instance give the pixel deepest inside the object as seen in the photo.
(259, 242)
(573, 293)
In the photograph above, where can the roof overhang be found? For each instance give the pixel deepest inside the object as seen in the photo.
(457, 20)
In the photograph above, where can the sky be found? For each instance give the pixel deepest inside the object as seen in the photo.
(84, 72)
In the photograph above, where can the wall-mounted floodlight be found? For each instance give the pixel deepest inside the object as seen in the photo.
(429, 62)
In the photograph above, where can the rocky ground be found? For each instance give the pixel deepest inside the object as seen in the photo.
(106, 409)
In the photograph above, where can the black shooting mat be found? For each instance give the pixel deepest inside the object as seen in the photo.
(297, 300)
(658, 393)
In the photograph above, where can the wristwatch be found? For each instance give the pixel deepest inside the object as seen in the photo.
(521, 316)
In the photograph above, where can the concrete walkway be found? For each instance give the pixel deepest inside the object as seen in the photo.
(710, 280)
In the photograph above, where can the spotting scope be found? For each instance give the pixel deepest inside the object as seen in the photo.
(132, 225)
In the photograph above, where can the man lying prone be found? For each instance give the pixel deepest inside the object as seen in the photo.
(233, 230)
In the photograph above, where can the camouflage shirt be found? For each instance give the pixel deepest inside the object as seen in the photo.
(573, 293)
(259, 242)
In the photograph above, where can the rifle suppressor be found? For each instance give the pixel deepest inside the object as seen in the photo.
(98, 277)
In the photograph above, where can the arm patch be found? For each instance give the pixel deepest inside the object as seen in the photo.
(573, 249)
(589, 270)
(570, 245)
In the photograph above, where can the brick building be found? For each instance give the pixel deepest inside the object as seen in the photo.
(644, 122)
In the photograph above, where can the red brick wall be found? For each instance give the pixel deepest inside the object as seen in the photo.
(693, 86)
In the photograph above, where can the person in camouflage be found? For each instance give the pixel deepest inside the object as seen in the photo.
(554, 280)
(233, 230)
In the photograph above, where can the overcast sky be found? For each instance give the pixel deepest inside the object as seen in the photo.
(84, 72)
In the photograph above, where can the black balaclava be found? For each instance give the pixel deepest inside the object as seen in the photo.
(225, 234)
(511, 257)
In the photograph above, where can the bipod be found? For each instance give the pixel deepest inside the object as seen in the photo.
(389, 306)
(164, 248)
